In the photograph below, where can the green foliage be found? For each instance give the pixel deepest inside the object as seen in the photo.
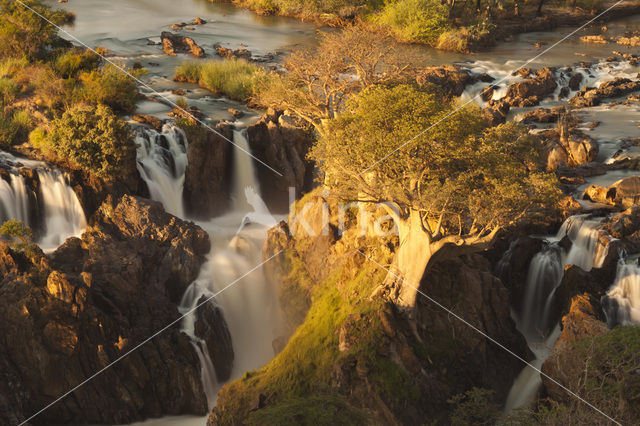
(9, 67)
(458, 167)
(339, 8)
(421, 21)
(50, 90)
(110, 86)
(8, 91)
(14, 128)
(233, 78)
(70, 63)
(92, 138)
(322, 409)
(25, 34)
(475, 407)
(16, 229)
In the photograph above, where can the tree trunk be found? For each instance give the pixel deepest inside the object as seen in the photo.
(410, 262)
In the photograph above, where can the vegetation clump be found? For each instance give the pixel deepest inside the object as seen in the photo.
(21, 237)
(233, 78)
(90, 137)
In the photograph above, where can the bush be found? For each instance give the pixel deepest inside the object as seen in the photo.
(420, 21)
(70, 63)
(50, 90)
(110, 86)
(8, 91)
(9, 67)
(8, 131)
(14, 128)
(25, 34)
(232, 78)
(92, 138)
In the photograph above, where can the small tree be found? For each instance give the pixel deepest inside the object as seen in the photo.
(449, 191)
(18, 231)
(318, 82)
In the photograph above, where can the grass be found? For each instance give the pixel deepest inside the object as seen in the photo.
(233, 78)
(415, 21)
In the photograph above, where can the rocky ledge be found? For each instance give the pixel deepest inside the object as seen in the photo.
(65, 316)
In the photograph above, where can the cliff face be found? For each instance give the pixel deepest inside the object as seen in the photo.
(353, 354)
(66, 316)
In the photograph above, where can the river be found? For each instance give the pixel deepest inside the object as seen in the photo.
(126, 27)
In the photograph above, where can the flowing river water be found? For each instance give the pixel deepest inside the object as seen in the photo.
(127, 28)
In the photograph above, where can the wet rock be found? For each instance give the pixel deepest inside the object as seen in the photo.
(175, 43)
(211, 327)
(207, 180)
(574, 150)
(522, 72)
(281, 142)
(487, 93)
(485, 78)
(531, 91)
(89, 303)
(452, 78)
(224, 52)
(624, 193)
(514, 267)
(594, 39)
(589, 97)
(154, 122)
(543, 115)
(496, 112)
(575, 80)
(236, 113)
(633, 41)
(198, 21)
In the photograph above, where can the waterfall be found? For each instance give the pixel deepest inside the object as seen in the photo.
(621, 304)
(63, 214)
(543, 278)
(162, 162)
(250, 306)
(14, 200)
(61, 210)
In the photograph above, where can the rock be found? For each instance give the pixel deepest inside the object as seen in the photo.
(543, 115)
(594, 39)
(633, 98)
(89, 303)
(154, 122)
(485, 78)
(633, 41)
(575, 150)
(531, 91)
(452, 78)
(514, 267)
(207, 180)
(624, 193)
(575, 80)
(224, 52)
(496, 112)
(522, 72)
(211, 327)
(487, 93)
(198, 21)
(174, 43)
(235, 113)
(282, 143)
(589, 97)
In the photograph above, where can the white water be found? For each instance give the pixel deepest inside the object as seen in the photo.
(249, 304)
(544, 276)
(162, 162)
(62, 212)
(622, 302)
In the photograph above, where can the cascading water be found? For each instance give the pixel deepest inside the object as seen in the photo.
(162, 162)
(543, 278)
(621, 304)
(250, 306)
(62, 214)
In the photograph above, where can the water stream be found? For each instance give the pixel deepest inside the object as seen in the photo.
(60, 213)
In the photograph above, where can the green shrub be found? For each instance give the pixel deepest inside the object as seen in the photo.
(8, 131)
(110, 86)
(92, 138)
(50, 90)
(8, 91)
(25, 34)
(233, 78)
(23, 123)
(9, 67)
(420, 21)
(70, 63)
(38, 138)
(17, 230)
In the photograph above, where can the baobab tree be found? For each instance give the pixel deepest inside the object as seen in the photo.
(449, 191)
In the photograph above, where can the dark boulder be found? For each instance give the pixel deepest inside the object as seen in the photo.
(173, 44)
(531, 91)
(67, 316)
(452, 78)
(589, 96)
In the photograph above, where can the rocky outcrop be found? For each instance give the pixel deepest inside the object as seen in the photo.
(207, 179)
(281, 142)
(573, 149)
(67, 316)
(496, 112)
(452, 78)
(543, 115)
(173, 44)
(211, 327)
(513, 268)
(225, 52)
(589, 96)
(531, 91)
(624, 193)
